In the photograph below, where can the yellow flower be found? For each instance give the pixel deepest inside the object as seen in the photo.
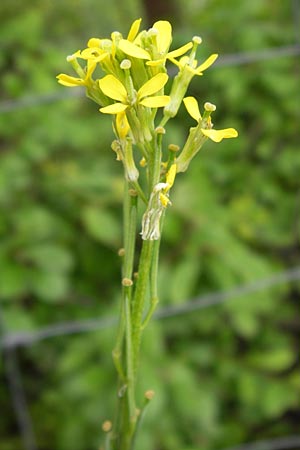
(183, 63)
(161, 34)
(95, 54)
(163, 41)
(114, 89)
(192, 107)
(219, 135)
(170, 177)
(67, 80)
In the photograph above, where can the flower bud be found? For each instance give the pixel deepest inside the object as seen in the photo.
(210, 107)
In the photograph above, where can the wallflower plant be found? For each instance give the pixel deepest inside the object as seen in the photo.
(130, 86)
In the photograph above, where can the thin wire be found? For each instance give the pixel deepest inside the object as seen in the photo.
(18, 398)
(235, 59)
(25, 339)
(39, 100)
(216, 298)
(282, 443)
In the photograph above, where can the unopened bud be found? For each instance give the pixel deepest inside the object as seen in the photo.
(153, 32)
(173, 148)
(116, 36)
(210, 107)
(127, 282)
(121, 252)
(197, 39)
(160, 130)
(125, 64)
(149, 394)
(73, 57)
(107, 426)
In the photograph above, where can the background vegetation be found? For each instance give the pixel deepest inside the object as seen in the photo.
(224, 375)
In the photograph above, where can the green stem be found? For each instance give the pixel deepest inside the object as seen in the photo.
(153, 285)
(123, 355)
(139, 190)
(140, 297)
(146, 258)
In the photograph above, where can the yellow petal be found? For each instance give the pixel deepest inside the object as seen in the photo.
(218, 135)
(113, 88)
(134, 29)
(66, 80)
(122, 125)
(153, 85)
(180, 51)
(164, 37)
(133, 50)
(94, 53)
(164, 200)
(94, 42)
(171, 174)
(155, 102)
(192, 107)
(115, 108)
(91, 66)
(155, 63)
(207, 63)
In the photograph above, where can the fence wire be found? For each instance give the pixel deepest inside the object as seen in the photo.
(282, 443)
(25, 339)
(230, 60)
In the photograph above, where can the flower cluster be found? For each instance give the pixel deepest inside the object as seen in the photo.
(127, 78)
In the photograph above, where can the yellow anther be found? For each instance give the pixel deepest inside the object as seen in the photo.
(143, 162)
(164, 200)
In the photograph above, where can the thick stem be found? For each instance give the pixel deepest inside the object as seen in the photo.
(146, 258)
(140, 297)
(153, 285)
(123, 355)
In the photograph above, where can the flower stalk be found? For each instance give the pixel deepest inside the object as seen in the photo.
(131, 88)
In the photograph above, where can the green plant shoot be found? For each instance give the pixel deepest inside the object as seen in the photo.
(127, 77)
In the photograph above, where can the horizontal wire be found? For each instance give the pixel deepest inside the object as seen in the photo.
(40, 99)
(24, 339)
(235, 59)
(282, 443)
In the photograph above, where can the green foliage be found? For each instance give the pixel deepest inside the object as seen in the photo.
(224, 375)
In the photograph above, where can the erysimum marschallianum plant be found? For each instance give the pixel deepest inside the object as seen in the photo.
(131, 89)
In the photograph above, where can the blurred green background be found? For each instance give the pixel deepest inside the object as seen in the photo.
(223, 375)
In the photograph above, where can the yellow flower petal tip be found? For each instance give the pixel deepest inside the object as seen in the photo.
(133, 50)
(219, 135)
(192, 107)
(67, 80)
(134, 29)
